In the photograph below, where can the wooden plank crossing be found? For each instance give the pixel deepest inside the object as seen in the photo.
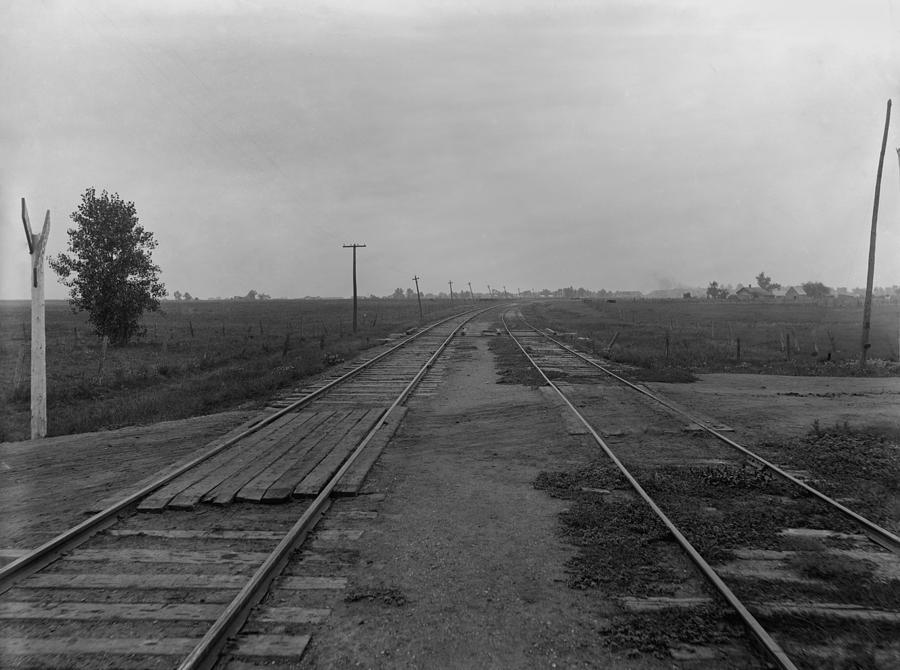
(319, 476)
(296, 455)
(284, 486)
(240, 456)
(161, 498)
(251, 461)
(255, 489)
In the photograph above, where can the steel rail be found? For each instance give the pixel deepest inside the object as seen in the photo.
(770, 646)
(50, 550)
(879, 535)
(207, 651)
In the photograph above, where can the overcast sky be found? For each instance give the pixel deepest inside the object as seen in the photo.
(620, 144)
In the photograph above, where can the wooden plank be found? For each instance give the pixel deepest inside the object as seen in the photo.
(160, 498)
(292, 615)
(256, 463)
(59, 580)
(282, 488)
(10, 611)
(241, 455)
(840, 611)
(72, 646)
(256, 488)
(338, 534)
(208, 557)
(312, 583)
(313, 482)
(657, 603)
(353, 479)
(272, 645)
(273, 535)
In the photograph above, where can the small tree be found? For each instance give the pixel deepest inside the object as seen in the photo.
(816, 289)
(765, 282)
(108, 269)
(714, 292)
(177, 295)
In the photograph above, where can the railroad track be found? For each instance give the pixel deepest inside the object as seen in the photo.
(815, 583)
(167, 574)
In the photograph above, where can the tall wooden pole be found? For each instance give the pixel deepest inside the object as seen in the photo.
(472, 293)
(870, 276)
(451, 291)
(354, 247)
(419, 298)
(37, 246)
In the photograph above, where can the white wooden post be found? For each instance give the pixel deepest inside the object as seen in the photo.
(37, 245)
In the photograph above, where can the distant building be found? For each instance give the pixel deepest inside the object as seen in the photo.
(753, 293)
(795, 293)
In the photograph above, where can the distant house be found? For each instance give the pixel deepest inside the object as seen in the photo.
(753, 293)
(795, 293)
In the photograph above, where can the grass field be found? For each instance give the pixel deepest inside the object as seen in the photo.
(194, 358)
(670, 339)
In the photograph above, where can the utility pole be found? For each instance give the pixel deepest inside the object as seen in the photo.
(870, 276)
(37, 245)
(419, 298)
(505, 294)
(354, 247)
(451, 291)
(490, 292)
(472, 293)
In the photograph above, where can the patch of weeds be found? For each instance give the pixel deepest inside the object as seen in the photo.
(859, 463)
(571, 483)
(657, 632)
(381, 595)
(623, 547)
(838, 569)
(693, 479)
(700, 501)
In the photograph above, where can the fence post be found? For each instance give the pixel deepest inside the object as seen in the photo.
(37, 246)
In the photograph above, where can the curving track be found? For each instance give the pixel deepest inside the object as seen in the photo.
(159, 579)
(654, 444)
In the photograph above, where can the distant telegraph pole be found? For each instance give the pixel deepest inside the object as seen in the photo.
(419, 298)
(472, 293)
(451, 291)
(354, 247)
(870, 276)
(37, 245)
